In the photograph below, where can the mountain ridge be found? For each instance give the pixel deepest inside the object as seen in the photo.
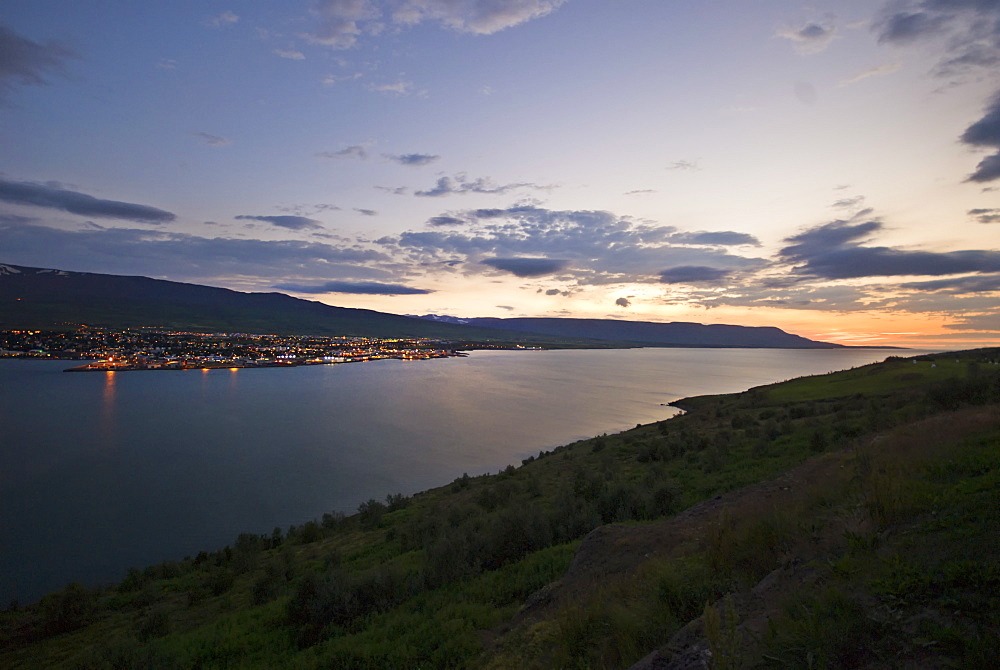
(51, 298)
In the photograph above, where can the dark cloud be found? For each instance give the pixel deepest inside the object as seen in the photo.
(886, 262)
(213, 140)
(184, 257)
(986, 131)
(488, 213)
(460, 185)
(439, 221)
(353, 151)
(968, 29)
(15, 219)
(985, 215)
(721, 238)
(413, 159)
(958, 285)
(831, 251)
(623, 302)
(552, 291)
(821, 239)
(27, 63)
(285, 221)
(849, 203)
(53, 197)
(359, 288)
(908, 27)
(527, 267)
(506, 307)
(365, 212)
(810, 38)
(692, 274)
(988, 169)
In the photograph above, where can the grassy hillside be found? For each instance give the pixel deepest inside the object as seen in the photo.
(845, 520)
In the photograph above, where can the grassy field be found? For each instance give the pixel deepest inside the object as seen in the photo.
(844, 520)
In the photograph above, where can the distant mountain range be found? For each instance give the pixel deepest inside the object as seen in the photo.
(648, 333)
(45, 298)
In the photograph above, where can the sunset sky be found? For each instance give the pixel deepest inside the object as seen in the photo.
(831, 168)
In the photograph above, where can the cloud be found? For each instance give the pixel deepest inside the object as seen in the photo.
(959, 285)
(506, 307)
(988, 169)
(285, 221)
(290, 54)
(810, 38)
(642, 191)
(906, 27)
(692, 274)
(365, 212)
(341, 22)
(358, 288)
(213, 140)
(527, 267)
(460, 184)
(685, 166)
(52, 196)
(877, 71)
(354, 151)
(185, 257)
(28, 63)
(412, 159)
(985, 215)
(623, 302)
(832, 251)
(438, 221)
(226, 18)
(849, 203)
(822, 238)
(480, 17)
(399, 87)
(967, 29)
(721, 238)
(598, 247)
(986, 133)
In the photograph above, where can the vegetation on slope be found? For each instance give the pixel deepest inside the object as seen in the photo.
(846, 520)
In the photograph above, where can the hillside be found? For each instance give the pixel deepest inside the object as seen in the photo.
(646, 333)
(843, 520)
(41, 298)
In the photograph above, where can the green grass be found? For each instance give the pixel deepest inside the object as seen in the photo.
(438, 581)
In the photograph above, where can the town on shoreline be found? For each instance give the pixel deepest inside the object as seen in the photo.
(155, 349)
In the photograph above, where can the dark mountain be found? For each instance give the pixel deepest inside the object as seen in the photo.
(677, 334)
(41, 298)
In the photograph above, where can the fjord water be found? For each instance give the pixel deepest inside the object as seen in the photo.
(104, 471)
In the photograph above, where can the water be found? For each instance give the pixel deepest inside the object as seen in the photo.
(104, 471)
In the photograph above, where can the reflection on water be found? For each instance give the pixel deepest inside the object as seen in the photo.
(107, 423)
(205, 456)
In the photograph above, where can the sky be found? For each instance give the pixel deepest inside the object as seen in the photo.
(830, 168)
